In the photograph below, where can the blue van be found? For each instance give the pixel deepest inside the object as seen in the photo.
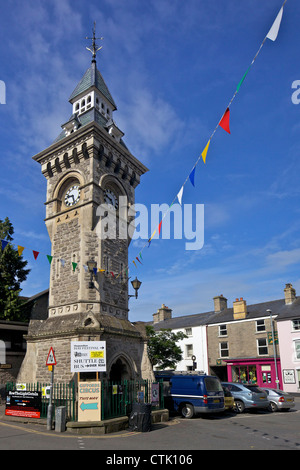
(191, 394)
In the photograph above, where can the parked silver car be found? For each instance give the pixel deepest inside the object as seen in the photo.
(247, 396)
(279, 400)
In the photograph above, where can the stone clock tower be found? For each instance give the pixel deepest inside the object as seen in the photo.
(88, 165)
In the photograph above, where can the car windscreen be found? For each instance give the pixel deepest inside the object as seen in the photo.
(213, 384)
(254, 389)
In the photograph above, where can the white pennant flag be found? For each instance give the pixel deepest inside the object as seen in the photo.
(179, 195)
(63, 262)
(272, 34)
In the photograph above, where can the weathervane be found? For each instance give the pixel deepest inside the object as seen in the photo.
(94, 47)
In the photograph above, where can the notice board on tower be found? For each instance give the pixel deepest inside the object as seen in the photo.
(88, 356)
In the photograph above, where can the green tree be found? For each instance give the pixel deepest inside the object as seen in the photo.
(12, 274)
(163, 351)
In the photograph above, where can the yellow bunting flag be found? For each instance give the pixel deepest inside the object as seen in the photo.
(20, 249)
(204, 153)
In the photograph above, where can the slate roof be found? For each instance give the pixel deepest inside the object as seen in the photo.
(278, 307)
(93, 77)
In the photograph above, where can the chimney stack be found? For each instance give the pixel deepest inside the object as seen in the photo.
(162, 314)
(220, 303)
(289, 294)
(239, 309)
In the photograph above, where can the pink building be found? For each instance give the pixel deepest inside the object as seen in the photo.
(288, 325)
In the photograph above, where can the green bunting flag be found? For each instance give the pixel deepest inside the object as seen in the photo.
(50, 258)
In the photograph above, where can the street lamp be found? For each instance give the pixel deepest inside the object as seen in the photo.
(274, 348)
(136, 284)
(91, 266)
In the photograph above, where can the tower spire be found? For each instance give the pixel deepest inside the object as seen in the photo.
(94, 47)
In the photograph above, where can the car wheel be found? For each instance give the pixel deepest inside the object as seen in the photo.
(187, 411)
(239, 406)
(272, 406)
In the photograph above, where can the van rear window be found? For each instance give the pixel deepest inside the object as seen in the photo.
(213, 385)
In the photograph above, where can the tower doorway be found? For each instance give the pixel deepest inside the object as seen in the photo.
(120, 370)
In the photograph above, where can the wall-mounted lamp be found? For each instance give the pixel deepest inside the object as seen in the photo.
(136, 284)
(92, 266)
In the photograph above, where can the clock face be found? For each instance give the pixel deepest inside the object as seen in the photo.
(111, 198)
(72, 196)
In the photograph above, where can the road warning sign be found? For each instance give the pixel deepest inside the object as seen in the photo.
(51, 361)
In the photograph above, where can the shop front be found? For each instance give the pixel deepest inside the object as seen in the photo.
(261, 372)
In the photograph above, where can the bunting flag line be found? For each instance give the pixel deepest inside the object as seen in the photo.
(224, 123)
(273, 33)
(225, 120)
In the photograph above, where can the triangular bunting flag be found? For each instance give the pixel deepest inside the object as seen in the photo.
(4, 243)
(74, 266)
(159, 228)
(20, 250)
(113, 274)
(272, 34)
(241, 81)
(179, 196)
(101, 270)
(192, 176)
(50, 258)
(134, 263)
(138, 260)
(35, 254)
(63, 262)
(85, 267)
(140, 255)
(204, 153)
(224, 123)
(95, 271)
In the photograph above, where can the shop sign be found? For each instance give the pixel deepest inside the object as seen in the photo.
(289, 376)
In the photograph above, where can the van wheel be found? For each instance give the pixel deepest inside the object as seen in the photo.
(187, 411)
(239, 406)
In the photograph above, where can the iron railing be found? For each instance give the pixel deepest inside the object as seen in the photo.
(117, 397)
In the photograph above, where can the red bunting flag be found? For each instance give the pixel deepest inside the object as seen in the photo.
(159, 228)
(224, 123)
(138, 260)
(35, 254)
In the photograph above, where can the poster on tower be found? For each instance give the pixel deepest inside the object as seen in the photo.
(88, 356)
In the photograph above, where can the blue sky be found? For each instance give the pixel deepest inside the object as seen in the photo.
(172, 68)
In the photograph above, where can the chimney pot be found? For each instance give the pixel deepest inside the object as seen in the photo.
(239, 309)
(220, 303)
(289, 294)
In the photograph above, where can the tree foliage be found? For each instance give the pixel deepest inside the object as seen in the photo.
(163, 350)
(12, 274)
